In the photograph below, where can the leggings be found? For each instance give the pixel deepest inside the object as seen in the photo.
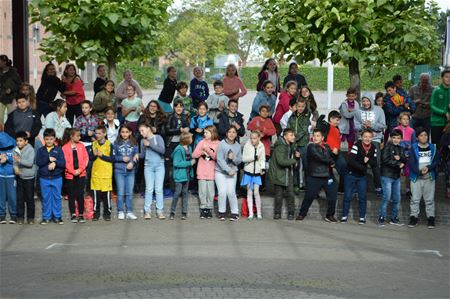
(250, 193)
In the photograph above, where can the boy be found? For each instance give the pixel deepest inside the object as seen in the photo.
(102, 171)
(182, 96)
(348, 110)
(393, 160)
(333, 139)
(7, 180)
(440, 107)
(265, 126)
(280, 173)
(52, 164)
(231, 117)
(423, 163)
(23, 119)
(25, 171)
(397, 101)
(363, 154)
(168, 91)
(217, 102)
(319, 176)
(292, 107)
(199, 87)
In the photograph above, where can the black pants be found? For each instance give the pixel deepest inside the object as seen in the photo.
(105, 198)
(436, 134)
(314, 186)
(288, 193)
(25, 195)
(75, 189)
(73, 111)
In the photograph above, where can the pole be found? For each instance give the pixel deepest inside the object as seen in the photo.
(329, 81)
(20, 38)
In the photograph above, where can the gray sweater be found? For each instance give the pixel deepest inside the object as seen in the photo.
(26, 165)
(224, 165)
(154, 153)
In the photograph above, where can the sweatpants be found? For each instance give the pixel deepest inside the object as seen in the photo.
(422, 188)
(314, 186)
(51, 198)
(226, 187)
(181, 189)
(206, 192)
(99, 197)
(286, 192)
(250, 193)
(75, 188)
(25, 196)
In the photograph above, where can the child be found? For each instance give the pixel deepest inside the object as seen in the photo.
(102, 172)
(126, 156)
(348, 111)
(182, 95)
(199, 87)
(182, 173)
(233, 87)
(228, 159)
(231, 117)
(333, 139)
(264, 97)
(379, 101)
(292, 108)
(280, 173)
(307, 95)
(28, 90)
(423, 163)
(200, 122)
(168, 91)
(25, 171)
(283, 103)
(104, 99)
(87, 123)
(397, 101)
(445, 154)
(393, 160)
(152, 153)
(409, 136)
(7, 180)
(131, 108)
(363, 154)
(265, 126)
(319, 175)
(111, 124)
(293, 75)
(52, 164)
(77, 160)
(269, 71)
(206, 153)
(254, 157)
(217, 102)
(57, 120)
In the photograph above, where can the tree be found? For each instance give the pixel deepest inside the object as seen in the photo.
(359, 33)
(98, 30)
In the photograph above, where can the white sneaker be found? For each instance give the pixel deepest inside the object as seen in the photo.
(131, 216)
(121, 216)
(147, 216)
(259, 217)
(250, 217)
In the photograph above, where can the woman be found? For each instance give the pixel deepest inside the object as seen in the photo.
(74, 92)
(233, 87)
(47, 91)
(28, 90)
(9, 87)
(269, 71)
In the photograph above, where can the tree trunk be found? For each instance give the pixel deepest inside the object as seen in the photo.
(355, 79)
(112, 71)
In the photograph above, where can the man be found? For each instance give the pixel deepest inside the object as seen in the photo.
(420, 94)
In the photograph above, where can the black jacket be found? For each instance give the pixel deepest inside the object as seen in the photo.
(37, 125)
(168, 91)
(389, 166)
(47, 91)
(172, 126)
(225, 121)
(319, 160)
(99, 84)
(356, 165)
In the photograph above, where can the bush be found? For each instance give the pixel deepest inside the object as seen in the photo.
(147, 76)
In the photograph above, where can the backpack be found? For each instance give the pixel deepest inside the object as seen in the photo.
(323, 126)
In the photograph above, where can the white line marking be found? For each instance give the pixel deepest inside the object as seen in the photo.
(59, 245)
(436, 252)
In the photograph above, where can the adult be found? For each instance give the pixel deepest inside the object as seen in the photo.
(233, 87)
(440, 107)
(293, 75)
(283, 103)
(121, 91)
(420, 94)
(47, 91)
(74, 92)
(397, 101)
(269, 71)
(101, 79)
(165, 98)
(9, 87)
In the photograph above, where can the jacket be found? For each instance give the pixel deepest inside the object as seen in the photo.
(7, 144)
(439, 104)
(27, 167)
(112, 131)
(414, 173)
(263, 99)
(389, 166)
(254, 158)
(225, 165)
(153, 154)
(58, 124)
(156, 122)
(355, 162)
(86, 124)
(47, 91)
(264, 76)
(99, 84)
(83, 160)
(9, 80)
(409, 137)
(182, 167)
(189, 109)
(320, 160)
(226, 120)
(42, 161)
(421, 97)
(213, 102)
(168, 90)
(282, 106)
(281, 162)
(394, 109)
(300, 124)
(121, 150)
(172, 128)
(300, 79)
(375, 115)
(344, 125)
(102, 101)
(266, 127)
(206, 162)
(199, 122)
(12, 125)
(199, 91)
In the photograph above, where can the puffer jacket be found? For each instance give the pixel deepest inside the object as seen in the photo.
(254, 158)
(319, 160)
(281, 162)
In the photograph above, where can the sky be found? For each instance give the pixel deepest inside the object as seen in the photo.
(443, 4)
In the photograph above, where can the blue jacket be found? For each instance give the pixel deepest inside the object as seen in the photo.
(392, 111)
(181, 166)
(263, 99)
(121, 150)
(414, 162)
(7, 144)
(199, 122)
(199, 91)
(154, 153)
(42, 161)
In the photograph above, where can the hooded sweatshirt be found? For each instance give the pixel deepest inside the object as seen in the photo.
(7, 144)
(27, 168)
(375, 115)
(206, 163)
(213, 105)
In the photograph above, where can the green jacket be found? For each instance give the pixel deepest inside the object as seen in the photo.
(440, 99)
(181, 166)
(9, 80)
(281, 162)
(300, 123)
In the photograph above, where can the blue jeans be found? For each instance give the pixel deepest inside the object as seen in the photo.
(51, 198)
(8, 194)
(154, 182)
(125, 184)
(391, 191)
(359, 184)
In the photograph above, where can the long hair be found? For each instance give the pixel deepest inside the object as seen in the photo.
(235, 69)
(159, 113)
(265, 66)
(120, 140)
(44, 72)
(290, 66)
(31, 96)
(69, 65)
(67, 135)
(312, 100)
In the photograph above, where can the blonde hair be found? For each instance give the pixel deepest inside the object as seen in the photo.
(213, 131)
(404, 113)
(186, 138)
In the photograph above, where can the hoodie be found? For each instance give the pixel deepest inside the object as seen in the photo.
(27, 168)
(199, 91)
(281, 162)
(263, 99)
(7, 144)
(396, 105)
(375, 115)
(206, 153)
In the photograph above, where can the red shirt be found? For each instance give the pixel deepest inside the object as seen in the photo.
(282, 106)
(265, 126)
(334, 138)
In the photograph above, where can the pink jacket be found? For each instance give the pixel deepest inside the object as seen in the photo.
(205, 168)
(231, 84)
(83, 159)
(282, 106)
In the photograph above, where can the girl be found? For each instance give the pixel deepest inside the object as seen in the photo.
(168, 91)
(264, 97)
(269, 71)
(100, 81)
(206, 153)
(74, 92)
(77, 160)
(199, 88)
(228, 159)
(28, 90)
(182, 173)
(57, 119)
(49, 88)
(348, 110)
(254, 158)
(233, 87)
(104, 99)
(111, 124)
(125, 158)
(293, 75)
(154, 117)
(307, 95)
(87, 123)
(283, 103)
(409, 136)
(200, 122)
(131, 108)
(152, 152)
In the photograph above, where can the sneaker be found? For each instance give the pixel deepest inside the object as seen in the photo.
(3, 220)
(250, 217)
(344, 219)
(234, 217)
(378, 192)
(396, 221)
(45, 221)
(19, 221)
(290, 217)
(107, 217)
(59, 221)
(431, 223)
(413, 221)
(131, 216)
(381, 221)
(221, 217)
(95, 218)
(203, 213)
(147, 216)
(331, 219)
(121, 216)
(209, 214)
(74, 218)
(172, 216)
(30, 221)
(183, 216)
(161, 216)
(81, 219)
(277, 216)
(13, 220)
(300, 218)
(362, 221)
(259, 217)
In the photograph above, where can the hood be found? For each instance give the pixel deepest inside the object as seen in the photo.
(6, 141)
(369, 96)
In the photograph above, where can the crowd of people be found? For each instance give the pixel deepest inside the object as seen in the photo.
(190, 141)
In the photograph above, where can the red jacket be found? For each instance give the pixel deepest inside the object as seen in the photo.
(83, 159)
(282, 106)
(266, 127)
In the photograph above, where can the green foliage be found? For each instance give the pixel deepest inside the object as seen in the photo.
(147, 76)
